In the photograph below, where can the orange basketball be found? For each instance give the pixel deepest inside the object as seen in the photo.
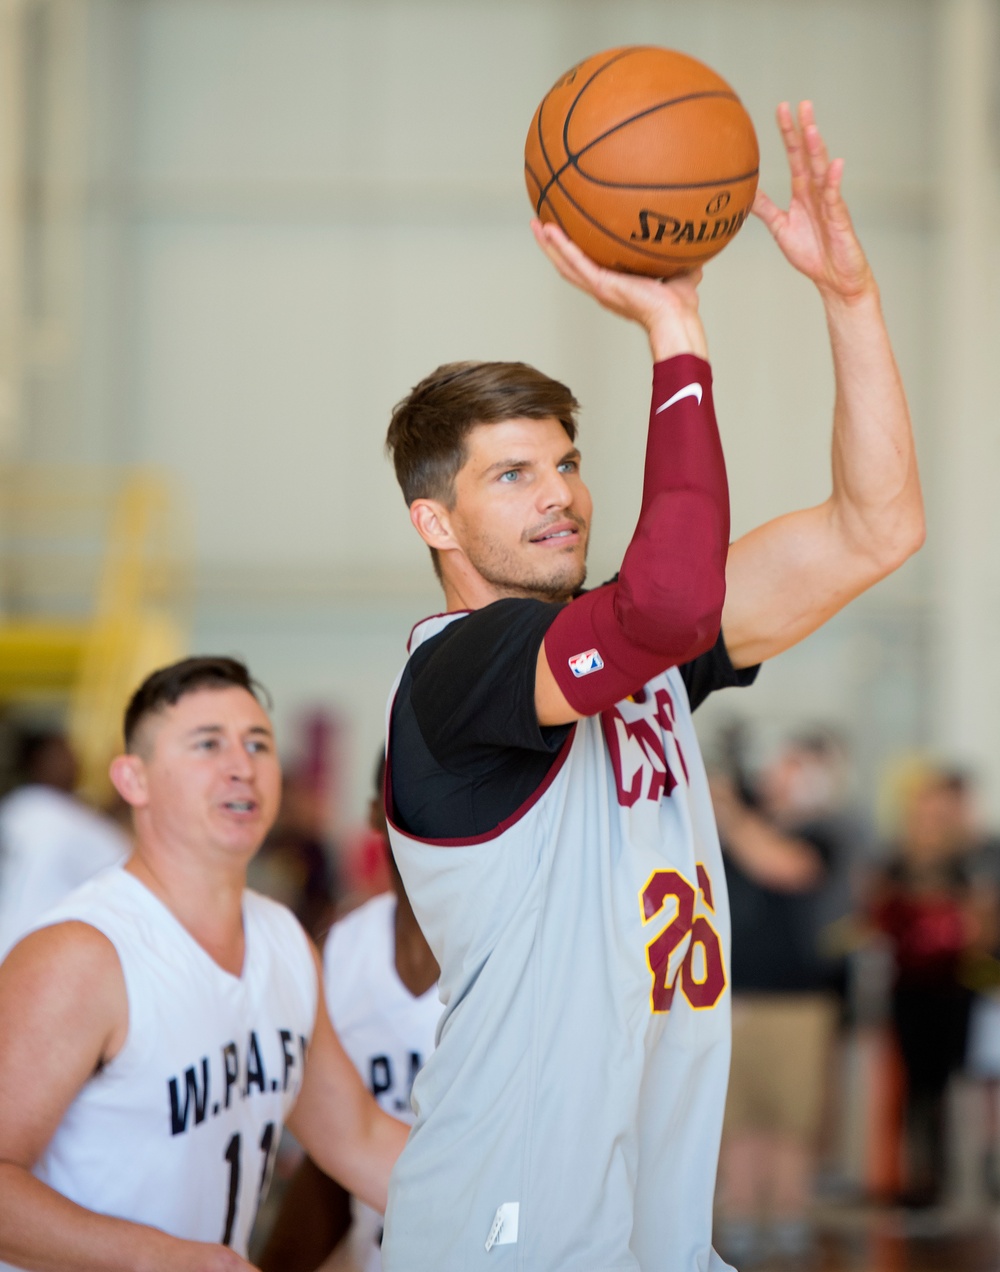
(645, 157)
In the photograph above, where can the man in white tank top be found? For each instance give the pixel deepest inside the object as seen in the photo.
(548, 807)
(154, 1028)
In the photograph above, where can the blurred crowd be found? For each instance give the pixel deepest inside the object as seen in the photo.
(865, 978)
(865, 964)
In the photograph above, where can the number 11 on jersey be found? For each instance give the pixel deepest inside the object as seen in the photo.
(269, 1149)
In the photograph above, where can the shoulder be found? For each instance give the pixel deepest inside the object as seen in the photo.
(481, 630)
(66, 980)
(372, 916)
(357, 939)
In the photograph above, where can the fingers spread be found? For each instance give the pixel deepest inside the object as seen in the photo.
(767, 210)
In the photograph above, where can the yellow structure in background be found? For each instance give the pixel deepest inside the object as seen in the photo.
(94, 594)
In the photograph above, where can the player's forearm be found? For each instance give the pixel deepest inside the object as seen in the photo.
(666, 607)
(362, 1152)
(876, 485)
(384, 1139)
(42, 1231)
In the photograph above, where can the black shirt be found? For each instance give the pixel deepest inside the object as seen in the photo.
(464, 718)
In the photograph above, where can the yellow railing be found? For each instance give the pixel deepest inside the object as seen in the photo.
(94, 593)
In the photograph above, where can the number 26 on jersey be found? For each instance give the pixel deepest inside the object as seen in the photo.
(687, 953)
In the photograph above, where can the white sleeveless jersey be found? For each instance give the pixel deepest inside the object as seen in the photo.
(569, 1119)
(180, 1129)
(387, 1032)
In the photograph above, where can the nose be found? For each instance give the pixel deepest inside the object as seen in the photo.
(555, 492)
(240, 764)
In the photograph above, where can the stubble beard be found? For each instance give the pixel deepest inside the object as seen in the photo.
(505, 571)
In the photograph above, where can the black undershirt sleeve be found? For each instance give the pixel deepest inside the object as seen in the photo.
(465, 721)
(475, 686)
(712, 670)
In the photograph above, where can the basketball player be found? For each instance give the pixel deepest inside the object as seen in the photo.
(548, 806)
(153, 1034)
(380, 980)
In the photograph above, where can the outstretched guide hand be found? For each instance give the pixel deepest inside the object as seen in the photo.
(816, 234)
(667, 309)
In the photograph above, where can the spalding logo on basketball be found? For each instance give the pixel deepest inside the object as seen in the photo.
(645, 157)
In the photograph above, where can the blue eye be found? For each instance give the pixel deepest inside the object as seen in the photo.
(512, 474)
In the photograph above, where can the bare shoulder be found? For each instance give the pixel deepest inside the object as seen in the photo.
(66, 979)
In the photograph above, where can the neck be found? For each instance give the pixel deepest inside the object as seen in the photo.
(472, 592)
(207, 902)
(415, 964)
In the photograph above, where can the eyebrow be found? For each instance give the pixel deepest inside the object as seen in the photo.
(505, 465)
(217, 728)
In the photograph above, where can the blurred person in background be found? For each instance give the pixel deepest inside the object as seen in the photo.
(50, 840)
(155, 1027)
(926, 906)
(787, 844)
(380, 981)
(983, 968)
(295, 864)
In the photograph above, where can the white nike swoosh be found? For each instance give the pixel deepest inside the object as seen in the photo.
(689, 390)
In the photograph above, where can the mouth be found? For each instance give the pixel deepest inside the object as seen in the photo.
(562, 534)
(241, 807)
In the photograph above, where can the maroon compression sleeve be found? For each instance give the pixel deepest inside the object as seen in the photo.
(666, 607)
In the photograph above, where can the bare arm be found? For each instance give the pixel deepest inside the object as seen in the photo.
(338, 1123)
(786, 578)
(783, 862)
(64, 1011)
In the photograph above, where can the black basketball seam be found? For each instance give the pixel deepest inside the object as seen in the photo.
(542, 186)
(572, 160)
(624, 185)
(538, 210)
(643, 251)
(544, 189)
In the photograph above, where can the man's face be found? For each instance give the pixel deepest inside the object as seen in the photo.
(212, 779)
(521, 511)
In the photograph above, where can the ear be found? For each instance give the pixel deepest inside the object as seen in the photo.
(128, 776)
(433, 523)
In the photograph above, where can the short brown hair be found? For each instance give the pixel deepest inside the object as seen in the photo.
(427, 432)
(168, 685)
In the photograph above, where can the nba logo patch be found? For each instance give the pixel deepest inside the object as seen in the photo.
(584, 664)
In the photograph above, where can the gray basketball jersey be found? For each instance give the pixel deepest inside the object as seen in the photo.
(180, 1130)
(569, 1119)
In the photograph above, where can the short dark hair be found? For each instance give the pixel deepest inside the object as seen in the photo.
(166, 686)
(427, 432)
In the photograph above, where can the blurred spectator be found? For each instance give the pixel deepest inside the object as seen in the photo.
(978, 853)
(50, 841)
(295, 862)
(380, 980)
(926, 906)
(788, 846)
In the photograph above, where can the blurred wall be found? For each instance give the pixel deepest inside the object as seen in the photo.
(282, 213)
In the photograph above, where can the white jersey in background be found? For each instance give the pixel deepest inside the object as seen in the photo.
(180, 1129)
(387, 1032)
(50, 843)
